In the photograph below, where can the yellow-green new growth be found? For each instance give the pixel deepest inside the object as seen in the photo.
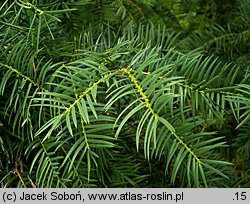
(143, 95)
(148, 105)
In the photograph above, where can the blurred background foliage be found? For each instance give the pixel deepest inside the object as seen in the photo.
(58, 57)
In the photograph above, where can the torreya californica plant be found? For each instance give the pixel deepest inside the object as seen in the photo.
(137, 106)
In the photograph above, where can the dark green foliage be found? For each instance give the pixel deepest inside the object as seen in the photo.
(124, 93)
